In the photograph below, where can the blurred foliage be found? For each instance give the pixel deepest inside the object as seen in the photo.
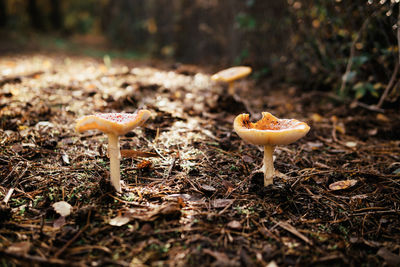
(348, 47)
(325, 32)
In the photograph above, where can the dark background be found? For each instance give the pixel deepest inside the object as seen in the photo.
(347, 47)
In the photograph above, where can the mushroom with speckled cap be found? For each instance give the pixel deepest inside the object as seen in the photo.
(269, 132)
(114, 125)
(230, 75)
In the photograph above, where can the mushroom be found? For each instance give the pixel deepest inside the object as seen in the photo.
(230, 75)
(269, 132)
(114, 125)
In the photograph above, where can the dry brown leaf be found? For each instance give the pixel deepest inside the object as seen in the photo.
(340, 185)
(208, 188)
(119, 221)
(221, 203)
(144, 165)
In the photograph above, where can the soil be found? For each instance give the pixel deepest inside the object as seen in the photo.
(191, 193)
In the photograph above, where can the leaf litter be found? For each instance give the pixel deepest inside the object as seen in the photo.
(189, 194)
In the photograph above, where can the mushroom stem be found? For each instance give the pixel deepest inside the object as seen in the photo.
(114, 154)
(231, 88)
(268, 167)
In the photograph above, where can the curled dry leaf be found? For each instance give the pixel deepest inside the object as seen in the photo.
(63, 208)
(340, 185)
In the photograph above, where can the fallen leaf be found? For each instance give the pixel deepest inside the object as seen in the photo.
(340, 185)
(221, 258)
(17, 148)
(208, 188)
(144, 165)
(119, 221)
(229, 186)
(373, 131)
(185, 197)
(168, 211)
(221, 203)
(272, 264)
(63, 208)
(315, 145)
(65, 158)
(247, 159)
(59, 222)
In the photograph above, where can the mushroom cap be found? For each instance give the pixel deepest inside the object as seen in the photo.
(269, 130)
(114, 123)
(231, 74)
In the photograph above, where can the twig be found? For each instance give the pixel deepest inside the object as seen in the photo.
(129, 153)
(11, 190)
(32, 259)
(294, 231)
(396, 68)
(390, 84)
(155, 149)
(369, 107)
(350, 61)
(171, 167)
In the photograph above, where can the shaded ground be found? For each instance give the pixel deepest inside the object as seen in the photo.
(193, 199)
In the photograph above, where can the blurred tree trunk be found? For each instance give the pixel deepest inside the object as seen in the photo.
(35, 15)
(56, 15)
(3, 13)
(164, 15)
(186, 35)
(123, 22)
(271, 36)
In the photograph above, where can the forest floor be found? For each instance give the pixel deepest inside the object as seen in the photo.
(190, 194)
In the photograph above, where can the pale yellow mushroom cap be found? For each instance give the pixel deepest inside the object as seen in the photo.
(113, 123)
(269, 130)
(231, 74)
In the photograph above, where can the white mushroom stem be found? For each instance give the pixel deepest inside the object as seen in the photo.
(268, 167)
(114, 154)
(231, 88)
